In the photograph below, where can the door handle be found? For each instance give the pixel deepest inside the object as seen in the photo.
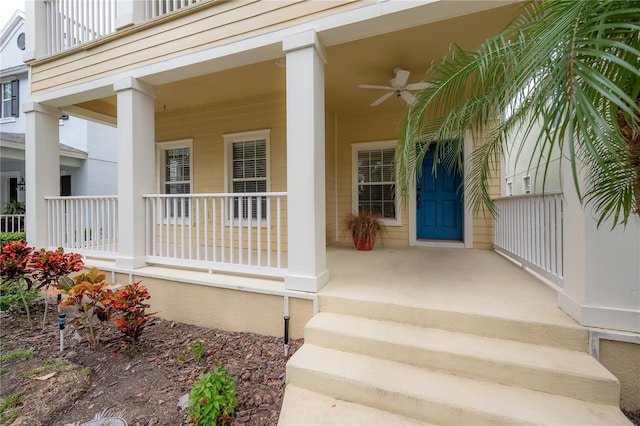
(418, 199)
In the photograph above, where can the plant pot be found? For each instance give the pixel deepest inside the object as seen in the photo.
(364, 244)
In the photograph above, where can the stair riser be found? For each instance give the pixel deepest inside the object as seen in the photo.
(550, 381)
(520, 331)
(412, 406)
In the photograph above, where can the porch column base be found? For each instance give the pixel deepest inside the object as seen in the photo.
(599, 316)
(130, 262)
(309, 284)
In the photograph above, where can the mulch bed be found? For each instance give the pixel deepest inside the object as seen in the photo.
(147, 386)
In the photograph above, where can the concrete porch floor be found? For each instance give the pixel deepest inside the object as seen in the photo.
(456, 280)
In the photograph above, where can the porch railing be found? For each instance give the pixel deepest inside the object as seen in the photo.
(242, 232)
(87, 225)
(529, 229)
(155, 8)
(12, 223)
(74, 22)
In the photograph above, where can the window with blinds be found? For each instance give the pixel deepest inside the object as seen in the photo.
(376, 183)
(249, 172)
(175, 164)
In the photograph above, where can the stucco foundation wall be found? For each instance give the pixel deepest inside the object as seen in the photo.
(623, 360)
(229, 310)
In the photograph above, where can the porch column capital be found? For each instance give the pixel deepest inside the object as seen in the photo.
(29, 107)
(131, 83)
(304, 40)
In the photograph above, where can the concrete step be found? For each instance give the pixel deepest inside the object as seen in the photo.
(304, 407)
(569, 335)
(559, 371)
(435, 397)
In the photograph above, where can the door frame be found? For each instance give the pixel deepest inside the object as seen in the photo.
(466, 209)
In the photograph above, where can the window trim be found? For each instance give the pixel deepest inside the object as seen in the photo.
(366, 146)
(15, 99)
(229, 140)
(526, 184)
(161, 147)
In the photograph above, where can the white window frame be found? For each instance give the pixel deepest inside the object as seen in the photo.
(526, 185)
(12, 118)
(229, 140)
(367, 146)
(161, 148)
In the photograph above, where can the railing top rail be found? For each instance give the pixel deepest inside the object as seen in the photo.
(540, 195)
(83, 197)
(219, 195)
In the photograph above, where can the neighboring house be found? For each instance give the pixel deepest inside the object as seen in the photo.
(243, 140)
(87, 149)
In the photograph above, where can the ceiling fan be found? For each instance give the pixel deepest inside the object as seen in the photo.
(397, 86)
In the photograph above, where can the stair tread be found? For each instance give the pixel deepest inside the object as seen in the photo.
(507, 402)
(304, 407)
(489, 348)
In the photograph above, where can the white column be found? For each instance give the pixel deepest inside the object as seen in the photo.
(136, 142)
(42, 168)
(601, 283)
(129, 12)
(35, 12)
(307, 257)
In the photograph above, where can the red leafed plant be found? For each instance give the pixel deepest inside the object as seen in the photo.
(126, 309)
(50, 267)
(87, 296)
(15, 267)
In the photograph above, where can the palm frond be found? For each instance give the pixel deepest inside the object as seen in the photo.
(568, 67)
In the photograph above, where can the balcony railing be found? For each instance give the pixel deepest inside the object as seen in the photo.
(241, 233)
(73, 22)
(86, 225)
(12, 223)
(529, 229)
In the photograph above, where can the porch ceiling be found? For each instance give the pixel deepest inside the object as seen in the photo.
(366, 61)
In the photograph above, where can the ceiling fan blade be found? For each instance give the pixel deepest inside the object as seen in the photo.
(382, 98)
(401, 78)
(418, 86)
(408, 97)
(374, 86)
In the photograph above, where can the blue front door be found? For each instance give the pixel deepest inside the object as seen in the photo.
(438, 203)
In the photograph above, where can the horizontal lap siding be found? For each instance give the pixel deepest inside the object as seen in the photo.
(206, 27)
(483, 222)
(369, 127)
(207, 124)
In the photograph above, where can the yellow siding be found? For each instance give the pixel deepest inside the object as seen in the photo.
(483, 222)
(330, 178)
(370, 127)
(207, 124)
(191, 30)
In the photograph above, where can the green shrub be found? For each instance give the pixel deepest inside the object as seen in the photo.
(12, 236)
(10, 297)
(212, 399)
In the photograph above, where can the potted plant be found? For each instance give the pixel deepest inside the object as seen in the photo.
(364, 226)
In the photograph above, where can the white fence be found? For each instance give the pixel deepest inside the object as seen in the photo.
(224, 232)
(87, 225)
(529, 229)
(12, 223)
(73, 22)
